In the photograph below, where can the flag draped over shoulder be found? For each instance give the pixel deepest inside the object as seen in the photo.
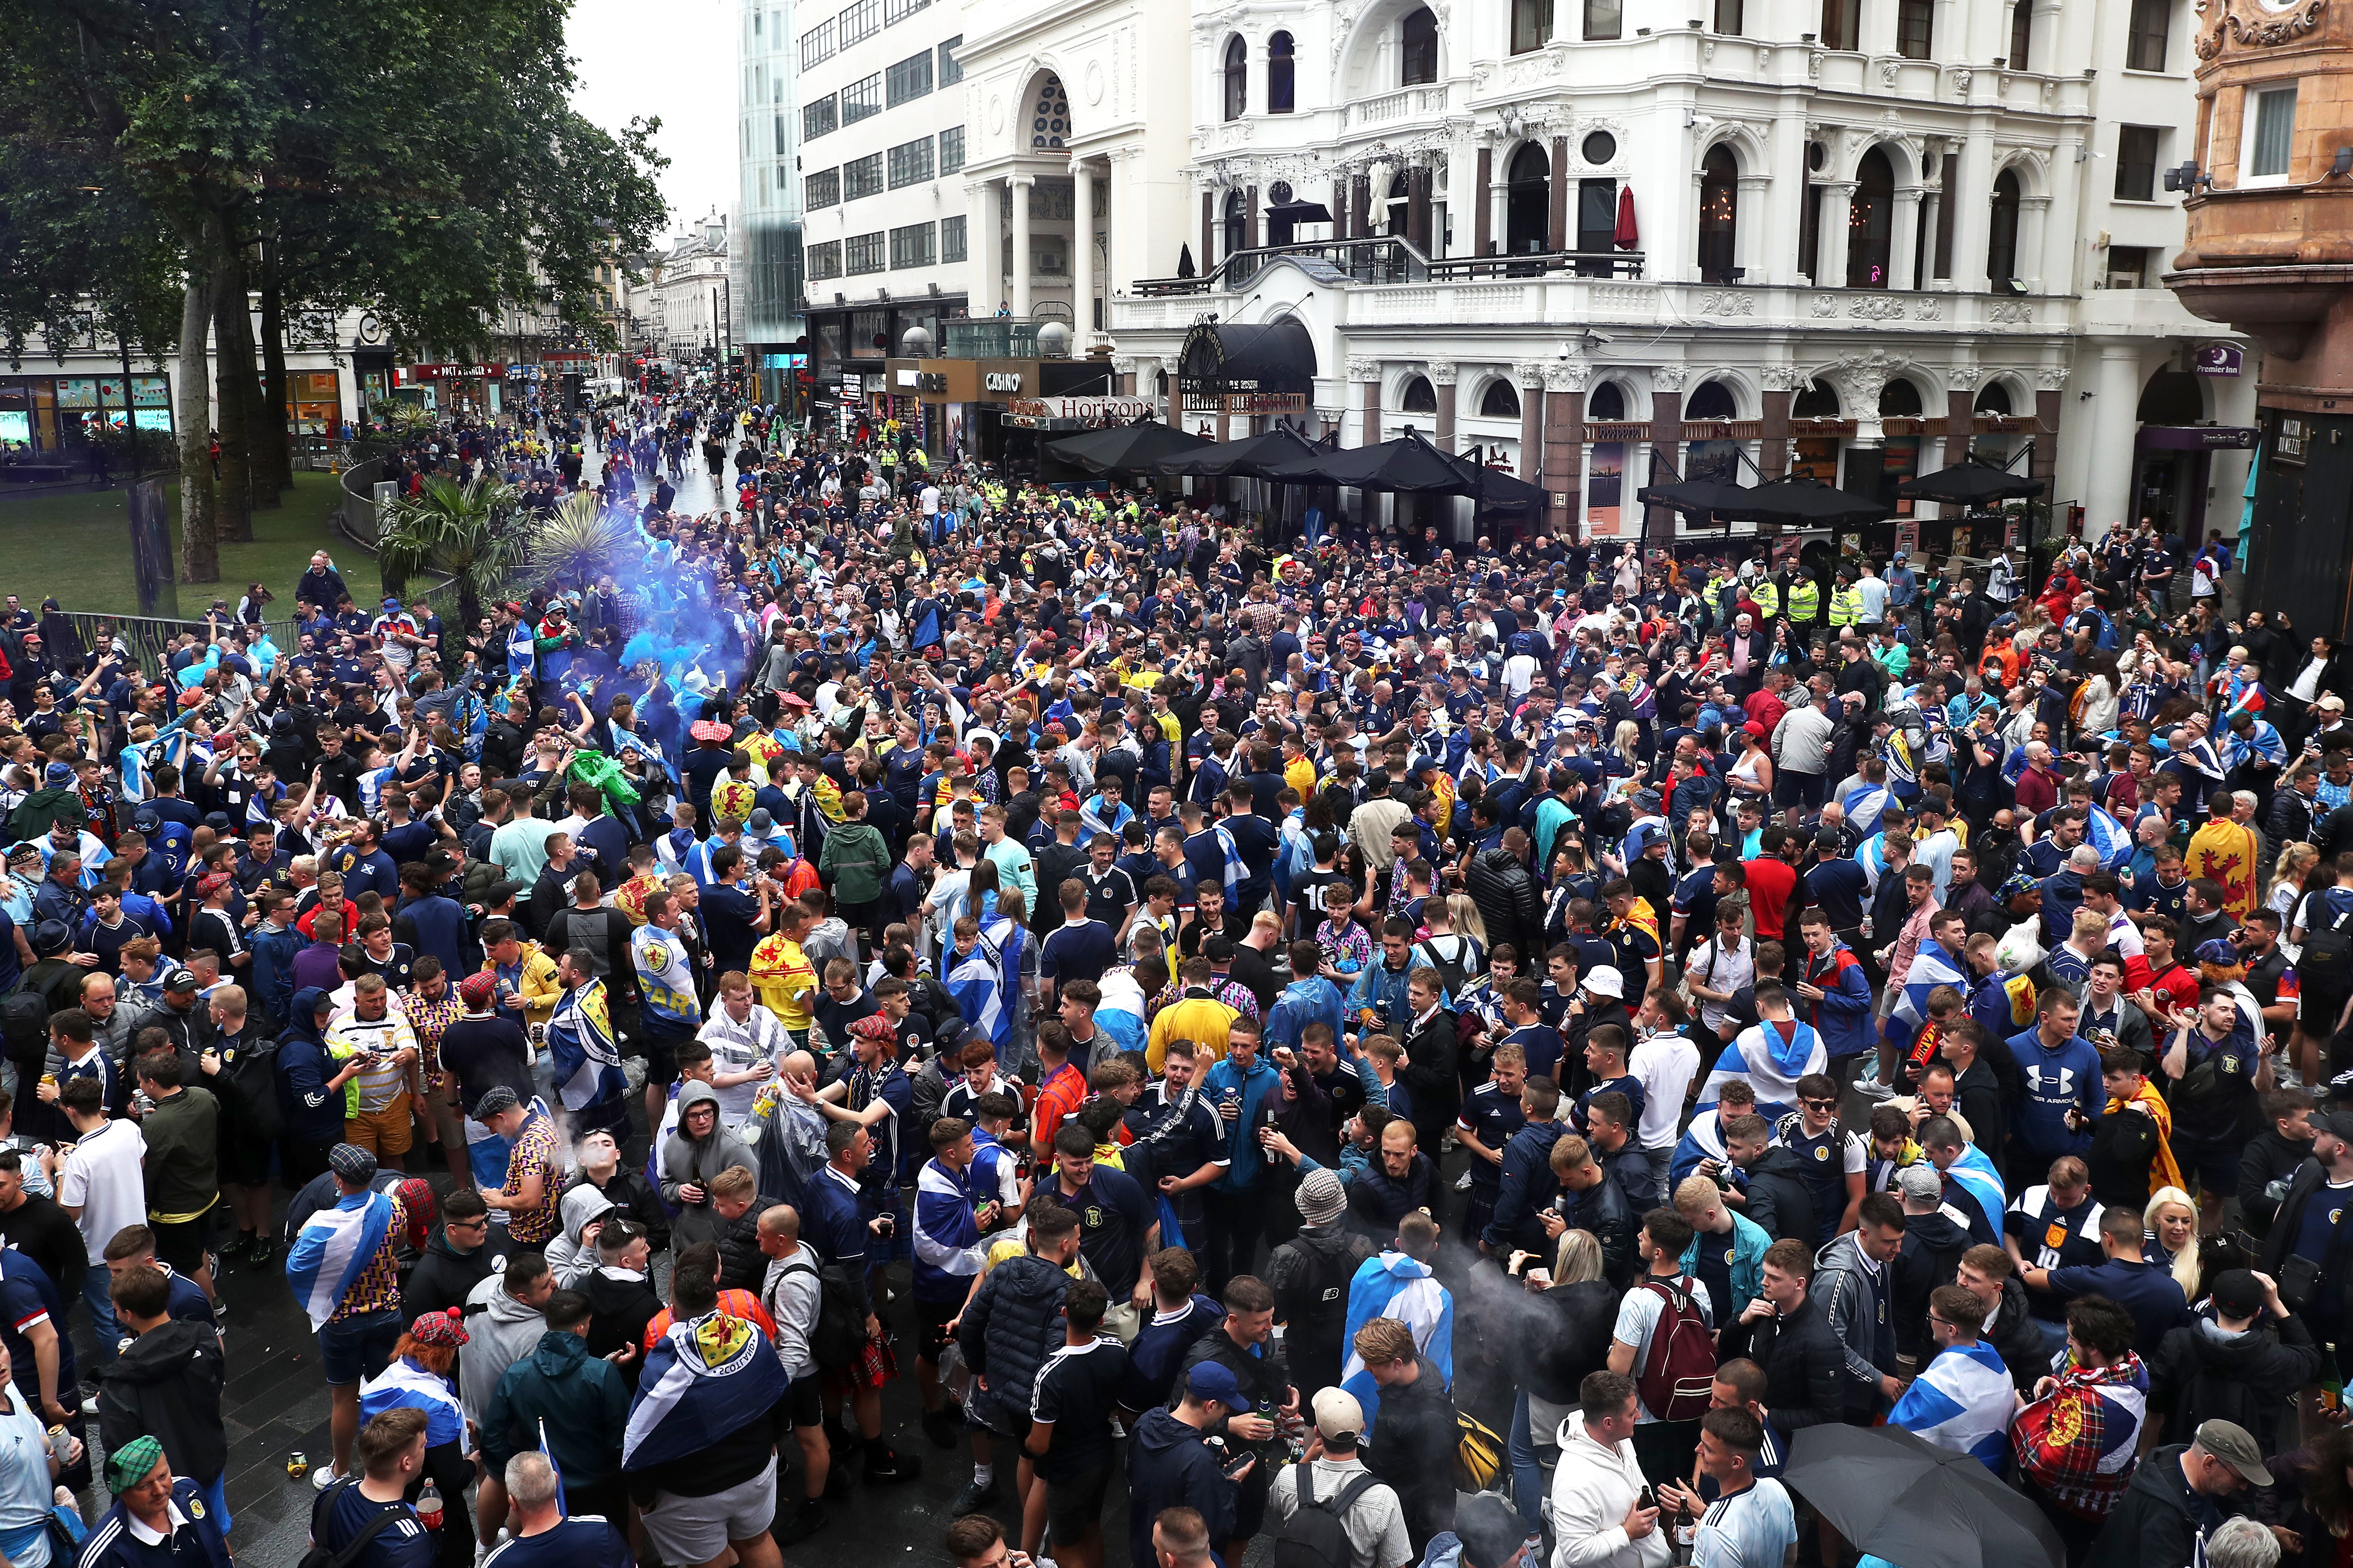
(2108, 835)
(977, 982)
(1394, 1285)
(1932, 966)
(334, 1247)
(1975, 1173)
(580, 1046)
(1771, 1065)
(404, 1385)
(703, 1379)
(1962, 1401)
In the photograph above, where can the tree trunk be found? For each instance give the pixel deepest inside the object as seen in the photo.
(274, 447)
(199, 516)
(233, 399)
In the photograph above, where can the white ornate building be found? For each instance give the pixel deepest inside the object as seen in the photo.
(1643, 237)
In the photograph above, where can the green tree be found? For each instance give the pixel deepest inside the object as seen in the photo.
(475, 531)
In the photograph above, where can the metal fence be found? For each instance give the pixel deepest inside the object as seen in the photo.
(150, 638)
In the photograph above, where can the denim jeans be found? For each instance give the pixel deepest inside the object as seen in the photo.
(1527, 1472)
(95, 1285)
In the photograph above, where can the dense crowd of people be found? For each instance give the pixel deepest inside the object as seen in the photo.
(1425, 1052)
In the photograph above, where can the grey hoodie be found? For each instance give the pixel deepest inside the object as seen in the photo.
(569, 1258)
(501, 1331)
(685, 1162)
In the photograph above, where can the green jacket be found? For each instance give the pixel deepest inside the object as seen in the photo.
(856, 861)
(582, 1399)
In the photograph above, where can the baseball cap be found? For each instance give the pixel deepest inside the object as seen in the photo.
(1338, 1416)
(2237, 1294)
(1920, 1182)
(2229, 1441)
(1491, 1533)
(2338, 1123)
(179, 979)
(1212, 1380)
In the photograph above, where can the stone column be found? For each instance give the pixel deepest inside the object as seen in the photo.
(1368, 373)
(1021, 184)
(1903, 240)
(1564, 442)
(1973, 206)
(1829, 243)
(1749, 241)
(1556, 229)
(1444, 374)
(1209, 231)
(1340, 208)
(2035, 263)
(1082, 256)
(1250, 217)
(1528, 377)
(2049, 403)
(1360, 201)
(1666, 448)
(2107, 490)
(983, 248)
(1931, 206)
(1483, 215)
(1960, 409)
(1773, 445)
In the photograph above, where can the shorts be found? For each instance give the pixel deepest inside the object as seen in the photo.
(697, 1529)
(805, 1400)
(661, 1058)
(447, 1119)
(183, 1243)
(2214, 1162)
(2318, 1011)
(1074, 1504)
(1793, 789)
(382, 1132)
(932, 1319)
(245, 1160)
(355, 1349)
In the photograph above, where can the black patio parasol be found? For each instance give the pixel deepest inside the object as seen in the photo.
(1804, 502)
(1970, 483)
(1248, 459)
(1127, 451)
(1696, 496)
(1409, 465)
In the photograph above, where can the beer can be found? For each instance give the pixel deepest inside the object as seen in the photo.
(297, 1466)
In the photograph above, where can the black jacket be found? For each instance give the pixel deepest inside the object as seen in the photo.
(2153, 1524)
(1414, 1451)
(2251, 1379)
(2016, 1338)
(1168, 1466)
(742, 1265)
(619, 1311)
(2266, 1159)
(1507, 898)
(167, 1385)
(1429, 1077)
(1806, 1380)
(1012, 1323)
(1780, 1202)
(1309, 1275)
(2336, 1274)
(444, 1276)
(2123, 1148)
(1931, 1257)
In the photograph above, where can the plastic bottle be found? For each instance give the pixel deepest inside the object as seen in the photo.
(429, 1506)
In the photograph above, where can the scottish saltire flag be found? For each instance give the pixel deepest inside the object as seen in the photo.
(1963, 1402)
(1931, 966)
(977, 980)
(580, 1047)
(630, 741)
(405, 1385)
(553, 1469)
(1394, 1285)
(1863, 803)
(522, 649)
(703, 1379)
(1237, 873)
(1975, 1174)
(2106, 834)
(331, 1248)
(1771, 1065)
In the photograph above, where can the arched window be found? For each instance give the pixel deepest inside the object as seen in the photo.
(1237, 78)
(1817, 402)
(2022, 33)
(1400, 206)
(1237, 223)
(1993, 397)
(1606, 404)
(1899, 399)
(1527, 201)
(2001, 240)
(1050, 120)
(1281, 70)
(1417, 47)
(1419, 396)
(1710, 400)
(1719, 215)
(1500, 401)
(1870, 222)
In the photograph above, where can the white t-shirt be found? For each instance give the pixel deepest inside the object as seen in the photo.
(1638, 1313)
(102, 1178)
(1664, 1065)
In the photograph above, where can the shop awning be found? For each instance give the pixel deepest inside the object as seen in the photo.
(1299, 212)
(1270, 355)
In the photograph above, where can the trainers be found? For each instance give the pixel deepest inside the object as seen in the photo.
(90, 1404)
(323, 1476)
(944, 1428)
(890, 1468)
(807, 1522)
(973, 1499)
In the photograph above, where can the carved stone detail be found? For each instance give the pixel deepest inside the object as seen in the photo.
(2262, 33)
(1670, 377)
(1782, 378)
(1442, 371)
(1363, 369)
(1962, 377)
(1727, 302)
(1876, 307)
(2052, 380)
(1566, 376)
(1528, 373)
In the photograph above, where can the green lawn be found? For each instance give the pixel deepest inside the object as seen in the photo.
(75, 549)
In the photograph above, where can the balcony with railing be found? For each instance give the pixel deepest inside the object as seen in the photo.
(1388, 260)
(990, 337)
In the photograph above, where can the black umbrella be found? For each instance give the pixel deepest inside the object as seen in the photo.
(1248, 459)
(1127, 451)
(1497, 491)
(1408, 465)
(1897, 1496)
(1696, 496)
(1806, 502)
(1969, 483)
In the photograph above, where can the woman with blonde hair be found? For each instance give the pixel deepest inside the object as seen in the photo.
(2171, 1223)
(1462, 913)
(2296, 859)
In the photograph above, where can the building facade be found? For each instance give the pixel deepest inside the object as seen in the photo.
(883, 138)
(693, 293)
(1609, 243)
(2270, 252)
(766, 257)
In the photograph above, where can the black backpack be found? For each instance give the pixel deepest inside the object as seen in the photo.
(2325, 962)
(317, 1556)
(1325, 1313)
(838, 1336)
(1312, 1537)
